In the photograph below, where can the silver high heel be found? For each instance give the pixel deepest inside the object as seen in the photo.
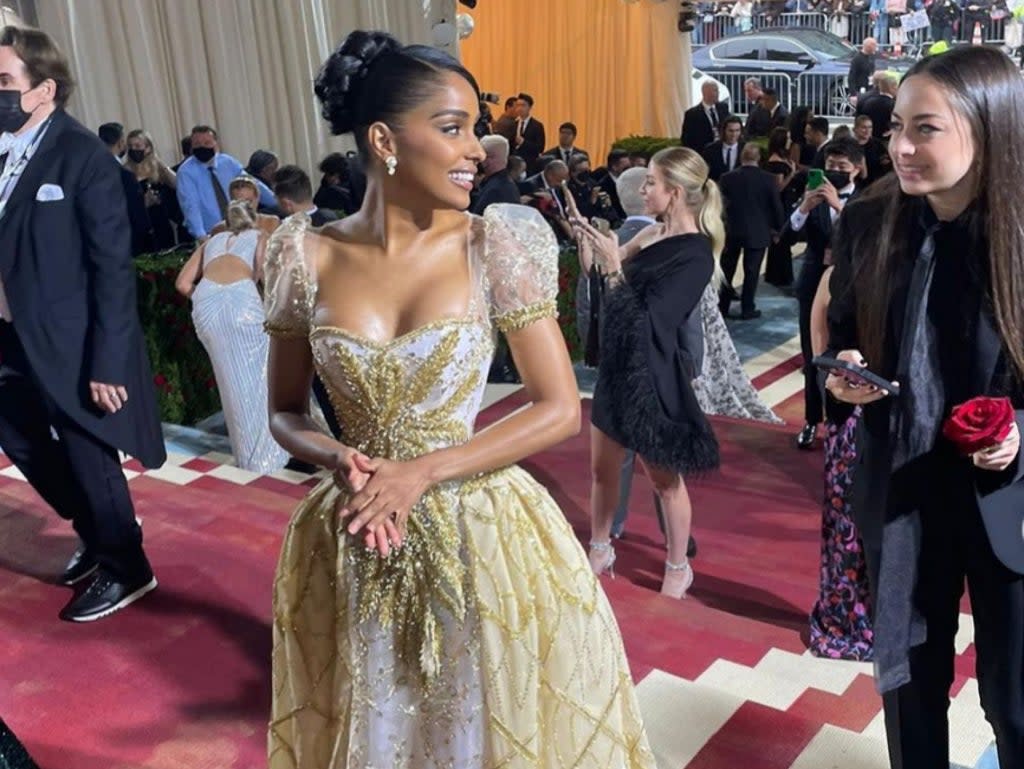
(609, 565)
(687, 577)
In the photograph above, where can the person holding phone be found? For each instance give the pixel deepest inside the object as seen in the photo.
(644, 399)
(827, 193)
(926, 291)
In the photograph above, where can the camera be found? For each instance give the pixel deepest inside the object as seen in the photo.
(491, 97)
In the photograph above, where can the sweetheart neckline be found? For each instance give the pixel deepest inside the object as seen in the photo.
(457, 320)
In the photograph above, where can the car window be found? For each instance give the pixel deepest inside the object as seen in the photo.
(778, 49)
(746, 49)
(826, 46)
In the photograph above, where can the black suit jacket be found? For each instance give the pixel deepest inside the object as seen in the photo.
(555, 153)
(496, 188)
(138, 216)
(698, 132)
(761, 122)
(753, 207)
(1000, 496)
(68, 274)
(878, 107)
(714, 156)
(321, 216)
(533, 144)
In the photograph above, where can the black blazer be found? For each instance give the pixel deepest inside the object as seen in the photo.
(322, 216)
(761, 122)
(555, 153)
(496, 188)
(1000, 496)
(716, 162)
(753, 207)
(698, 132)
(138, 216)
(533, 144)
(67, 269)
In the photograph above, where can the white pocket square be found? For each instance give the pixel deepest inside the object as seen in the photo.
(49, 192)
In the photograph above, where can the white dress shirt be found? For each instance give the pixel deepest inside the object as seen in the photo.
(799, 218)
(19, 150)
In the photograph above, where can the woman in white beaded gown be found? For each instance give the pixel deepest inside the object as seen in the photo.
(227, 311)
(432, 606)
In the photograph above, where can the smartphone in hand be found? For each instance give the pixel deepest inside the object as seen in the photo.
(855, 374)
(815, 178)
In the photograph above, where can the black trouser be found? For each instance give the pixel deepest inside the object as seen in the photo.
(752, 258)
(78, 475)
(779, 269)
(806, 287)
(954, 545)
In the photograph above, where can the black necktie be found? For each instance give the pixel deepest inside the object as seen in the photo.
(218, 191)
(713, 117)
(728, 158)
(3, 161)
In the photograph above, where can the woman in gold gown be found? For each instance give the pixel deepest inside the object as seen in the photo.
(432, 607)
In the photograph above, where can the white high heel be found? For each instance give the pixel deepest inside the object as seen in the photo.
(687, 572)
(609, 565)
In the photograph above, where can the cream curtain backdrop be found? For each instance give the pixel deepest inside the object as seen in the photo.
(612, 68)
(243, 66)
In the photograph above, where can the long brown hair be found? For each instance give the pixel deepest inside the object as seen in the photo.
(987, 91)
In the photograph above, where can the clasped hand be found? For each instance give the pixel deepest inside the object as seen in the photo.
(383, 494)
(110, 398)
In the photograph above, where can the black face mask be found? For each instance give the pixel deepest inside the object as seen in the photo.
(203, 154)
(838, 179)
(584, 177)
(136, 156)
(12, 116)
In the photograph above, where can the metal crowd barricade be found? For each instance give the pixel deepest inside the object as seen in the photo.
(781, 82)
(826, 95)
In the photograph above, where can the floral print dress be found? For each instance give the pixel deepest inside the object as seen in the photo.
(840, 620)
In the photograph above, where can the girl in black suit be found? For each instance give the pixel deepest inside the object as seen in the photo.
(927, 291)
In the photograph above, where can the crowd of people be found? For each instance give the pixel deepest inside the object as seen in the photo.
(855, 20)
(433, 585)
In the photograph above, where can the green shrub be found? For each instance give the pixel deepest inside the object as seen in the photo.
(647, 145)
(182, 374)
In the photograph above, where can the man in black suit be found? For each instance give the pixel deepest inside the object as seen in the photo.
(496, 186)
(701, 123)
(878, 105)
(566, 149)
(506, 124)
(862, 67)
(607, 178)
(724, 156)
(766, 116)
(816, 136)
(753, 210)
(72, 356)
(528, 142)
(294, 192)
(817, 212)
(112, 134)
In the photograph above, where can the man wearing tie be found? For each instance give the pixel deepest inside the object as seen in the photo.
(529, 139)
(817, 212)
(566, 149)
(203, 182)
(724, 156)
(75, 384)
(701, 123)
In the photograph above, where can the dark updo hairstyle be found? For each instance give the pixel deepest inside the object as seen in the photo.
(371, 77)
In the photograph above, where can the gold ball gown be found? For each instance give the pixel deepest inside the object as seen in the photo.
(487, 641)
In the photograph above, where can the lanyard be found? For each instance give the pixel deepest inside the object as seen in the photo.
(15, 167)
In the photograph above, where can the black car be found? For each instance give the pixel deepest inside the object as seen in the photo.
(807, 64)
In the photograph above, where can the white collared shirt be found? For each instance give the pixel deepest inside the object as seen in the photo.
(19, 149)
(798, 219)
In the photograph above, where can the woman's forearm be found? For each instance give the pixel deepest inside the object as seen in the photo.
(537, 427)
(300, 436)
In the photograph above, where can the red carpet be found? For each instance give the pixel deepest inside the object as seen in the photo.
(182, 680)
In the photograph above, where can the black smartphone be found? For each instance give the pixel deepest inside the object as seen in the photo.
(851, 372)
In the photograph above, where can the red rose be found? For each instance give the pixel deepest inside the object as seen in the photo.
(978, 424)
(159, 380)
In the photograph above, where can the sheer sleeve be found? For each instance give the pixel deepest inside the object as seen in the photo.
(520, 266)
(289, 280)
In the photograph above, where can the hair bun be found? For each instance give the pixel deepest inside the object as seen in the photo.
(341, 80)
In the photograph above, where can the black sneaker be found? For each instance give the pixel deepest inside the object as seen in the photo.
(105, 596)
(82, 564)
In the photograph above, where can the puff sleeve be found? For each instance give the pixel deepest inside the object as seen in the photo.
(289, 280)
(521, 266)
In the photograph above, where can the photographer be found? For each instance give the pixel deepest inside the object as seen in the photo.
(590, 197)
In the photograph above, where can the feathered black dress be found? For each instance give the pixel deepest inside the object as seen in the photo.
(644, 399)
